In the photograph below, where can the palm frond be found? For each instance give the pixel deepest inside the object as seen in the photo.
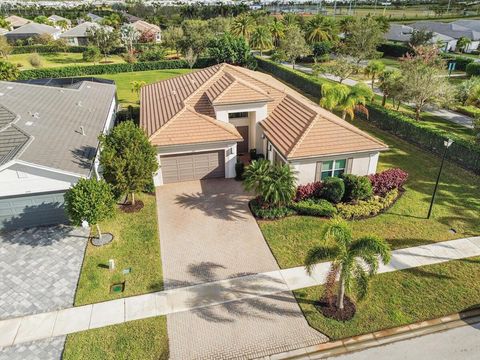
(371, 245)
(318, 254)
(362, 282)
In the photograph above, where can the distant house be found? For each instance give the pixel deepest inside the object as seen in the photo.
(130, 18)
(48, 141)
(452, 30)
(17, 21)
(145, 28)
(3, 31)
(55, 18)
(470, 24)
(30, 30)
(403, 33)
(78, 35)
(95, 18)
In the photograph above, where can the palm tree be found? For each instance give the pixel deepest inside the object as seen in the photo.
(137, 86)
(290, 19)
(389, 83)
(273, 183)
(261, 39)
(462, 43)
(321, 28)
(242, 26)
(347, 100)
(63, 24)
(374, 69)
(277, 29)
(354, 261)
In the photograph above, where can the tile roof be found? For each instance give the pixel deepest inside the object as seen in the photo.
(51, 118)
(33, 28)
(296, 126)
(56, 18)
(17, 21)
(142, 26)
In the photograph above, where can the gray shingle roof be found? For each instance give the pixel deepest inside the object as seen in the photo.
(80, 30)
(56, 18)
(450, 29)
(51, 117)
(33, 28)
(403, 33)
(471, 24)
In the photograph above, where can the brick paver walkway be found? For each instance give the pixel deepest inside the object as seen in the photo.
(207, 234)
(39, 270)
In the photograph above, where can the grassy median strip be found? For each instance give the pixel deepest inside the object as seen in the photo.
(402, 297)
(457, 206)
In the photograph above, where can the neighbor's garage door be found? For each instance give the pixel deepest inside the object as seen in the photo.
(32, 210)
(194, 166)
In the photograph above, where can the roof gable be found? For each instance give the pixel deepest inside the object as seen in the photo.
(238, 92)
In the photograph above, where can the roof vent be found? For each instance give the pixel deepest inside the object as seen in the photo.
(29, 123)
(36, 115)
(82, 130)
(79, 103)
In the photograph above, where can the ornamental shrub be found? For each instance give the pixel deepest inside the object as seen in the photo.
(308, 191)
(357, 188)
(35, 60)
(473, 69)
(367, 208)
(314, 207)
(91, 54)
(333, 189)
(152, 54)
(388, 180)
(263, 211)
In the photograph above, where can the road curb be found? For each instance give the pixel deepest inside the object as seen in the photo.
(382, 337)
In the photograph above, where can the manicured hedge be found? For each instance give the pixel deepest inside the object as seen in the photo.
(46, 49)
(73, 71)
(473, 69)
(461, 61)
(393, 49)
(463, 152)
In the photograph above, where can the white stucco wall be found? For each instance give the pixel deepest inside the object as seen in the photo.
(21, 179)
(230, 151)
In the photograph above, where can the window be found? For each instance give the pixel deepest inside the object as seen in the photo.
(333, 168)
(237, 115)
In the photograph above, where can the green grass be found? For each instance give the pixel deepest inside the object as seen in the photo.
(57, 60)
(123, 81)
(402, 297)
(140, 339)
(457, 206)
(136, 245)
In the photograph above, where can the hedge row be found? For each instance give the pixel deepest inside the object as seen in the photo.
(74, 71)
(393, 49)
(46, 49)
(473, 69)
(465, 153)
(461, 61)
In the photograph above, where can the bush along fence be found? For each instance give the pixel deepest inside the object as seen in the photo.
(73, 71)
(473, 69)
(52, 49)
(463, 152)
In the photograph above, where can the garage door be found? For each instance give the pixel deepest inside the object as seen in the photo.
(32, 210)
(194, 166)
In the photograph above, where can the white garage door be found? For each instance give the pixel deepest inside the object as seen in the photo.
(193, 166)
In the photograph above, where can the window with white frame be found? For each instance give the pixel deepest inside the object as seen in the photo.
(333, 168)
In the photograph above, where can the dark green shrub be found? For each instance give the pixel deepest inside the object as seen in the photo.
(239, 170)
(367, 208)
(314, 207)
(91, 54)
(155, 54)
(356, 187)
(262, 211)
(333, 189)
(473, 69)
(393, 49)
(461, 62)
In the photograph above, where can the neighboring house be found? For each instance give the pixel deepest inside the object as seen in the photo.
(470, 24)
(95, 18)
(55, 18)
(143, 27)
(3, 31)
(130, 18)
(48, 140)
(452, 30)
(17, 21)
(78, 35)
(30, 30)
(403, 33)
(201, 122)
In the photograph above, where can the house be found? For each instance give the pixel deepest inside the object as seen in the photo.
(30, 30)
(95, 18)
(17, 21)
(470, 24)
(130, 18)
(145, 28)
(48, 140)
(452, 30)
(78, 35)
(56, 18)
(201, 122)
(403, 33)
(3, 31)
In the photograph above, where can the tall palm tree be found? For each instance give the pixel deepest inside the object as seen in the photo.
(347, 100)
(462, 43)
(242, 26)
(373, 69)
(261, 39)
(321, 28)
(290, 19)
(277, 29)
(354, 261)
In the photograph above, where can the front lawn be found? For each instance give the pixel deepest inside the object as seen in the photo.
(402, 297)
(141, 339)
(457, 207)
(58, 60)
(136, 246)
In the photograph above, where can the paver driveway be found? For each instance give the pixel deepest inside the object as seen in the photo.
(207, 233)
(39, 270)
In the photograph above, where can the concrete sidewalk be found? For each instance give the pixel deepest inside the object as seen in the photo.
(66, 321)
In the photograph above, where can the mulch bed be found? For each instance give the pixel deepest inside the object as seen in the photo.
(129, 208)
(330, 310)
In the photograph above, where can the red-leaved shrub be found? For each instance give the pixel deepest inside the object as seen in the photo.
(308, 191)
(388, 180)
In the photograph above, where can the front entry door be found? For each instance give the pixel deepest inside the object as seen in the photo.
(242, 146)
